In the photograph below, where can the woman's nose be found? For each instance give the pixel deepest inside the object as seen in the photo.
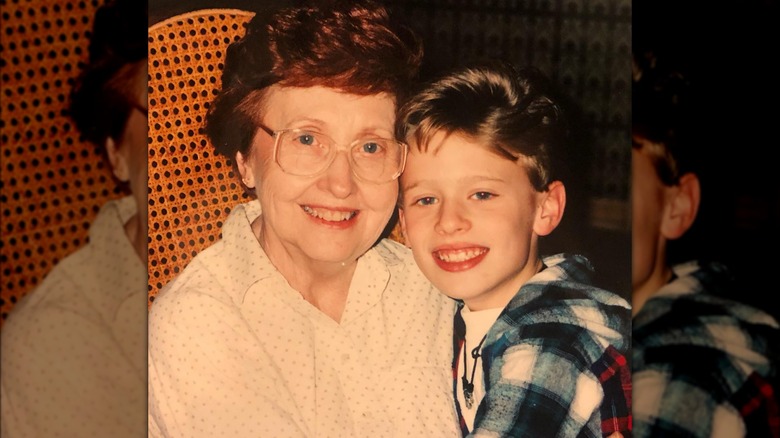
(338, 178)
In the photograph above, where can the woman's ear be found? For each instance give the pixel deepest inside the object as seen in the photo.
(118, 160)
(550, 211)
(681, 206)
(246, 171)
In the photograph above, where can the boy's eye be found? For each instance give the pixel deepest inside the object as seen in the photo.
(427, 200)
(483, 195)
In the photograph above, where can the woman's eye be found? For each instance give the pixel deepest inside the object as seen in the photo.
(482, 196)
(306, 139)
(371, 147)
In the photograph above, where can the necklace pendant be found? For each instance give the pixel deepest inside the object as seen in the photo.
(468, 387)
(468, 394)
(469, 400)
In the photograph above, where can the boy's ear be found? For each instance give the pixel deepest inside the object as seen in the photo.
(550, 211)
(246, 171)
(681, 207)
(118, 160)
(402, 223)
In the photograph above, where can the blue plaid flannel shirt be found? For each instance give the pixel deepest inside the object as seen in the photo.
(703, 363)
(555, 361)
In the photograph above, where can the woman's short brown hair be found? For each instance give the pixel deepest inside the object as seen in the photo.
(351, 46)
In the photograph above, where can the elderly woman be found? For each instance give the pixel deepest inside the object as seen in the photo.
(300, 321)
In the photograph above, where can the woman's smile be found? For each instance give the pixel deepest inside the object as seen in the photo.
(337, 217)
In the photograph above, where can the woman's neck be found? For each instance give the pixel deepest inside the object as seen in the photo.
(324, 285)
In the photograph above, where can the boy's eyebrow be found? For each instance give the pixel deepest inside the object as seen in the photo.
(465, 179)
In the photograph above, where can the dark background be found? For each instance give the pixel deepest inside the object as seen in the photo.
(729, 50)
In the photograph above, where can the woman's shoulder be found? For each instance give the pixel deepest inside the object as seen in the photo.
(407, 282)
(397, 257)
(393, 251)
(203, 277)
(222, 268)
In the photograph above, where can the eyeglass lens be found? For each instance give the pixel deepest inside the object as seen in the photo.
(307, 153)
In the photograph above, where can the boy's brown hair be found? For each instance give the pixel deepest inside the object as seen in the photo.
(508, 109)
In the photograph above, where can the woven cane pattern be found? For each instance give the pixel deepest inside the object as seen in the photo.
(191, 188)
(52, 183)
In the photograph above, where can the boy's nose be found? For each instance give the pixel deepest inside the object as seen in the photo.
(451, 219)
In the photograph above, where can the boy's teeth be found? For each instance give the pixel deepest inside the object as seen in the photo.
(329, 215)
(460, 255)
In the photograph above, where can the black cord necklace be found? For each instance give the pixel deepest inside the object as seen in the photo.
(468, 387)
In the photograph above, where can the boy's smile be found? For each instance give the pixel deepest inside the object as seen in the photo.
(454, 259)
(469, 216)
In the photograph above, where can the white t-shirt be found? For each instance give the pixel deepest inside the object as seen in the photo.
(477, 325)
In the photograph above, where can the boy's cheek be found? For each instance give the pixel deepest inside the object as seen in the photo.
(414, 226)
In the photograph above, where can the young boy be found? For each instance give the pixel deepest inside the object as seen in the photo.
(539, 351)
